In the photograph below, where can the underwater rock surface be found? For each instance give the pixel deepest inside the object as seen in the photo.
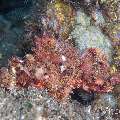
(85, 98)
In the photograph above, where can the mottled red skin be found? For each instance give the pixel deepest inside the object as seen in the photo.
(50, 56)
(95, 70)
(115, 79)
(42, 69)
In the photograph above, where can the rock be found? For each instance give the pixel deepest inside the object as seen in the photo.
(83, 97)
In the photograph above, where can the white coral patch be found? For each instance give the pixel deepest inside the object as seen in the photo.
(87, 36)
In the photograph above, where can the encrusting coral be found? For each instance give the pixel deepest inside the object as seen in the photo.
(59, 18)
(57, 66)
